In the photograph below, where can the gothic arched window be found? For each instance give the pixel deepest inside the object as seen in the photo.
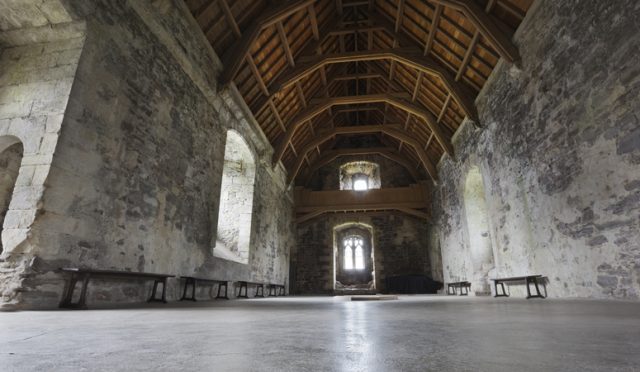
(353, 252)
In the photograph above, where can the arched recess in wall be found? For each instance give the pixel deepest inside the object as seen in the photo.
(477, 214)
(353, 257)
(233, 238)
(11, 152)
(359, 175)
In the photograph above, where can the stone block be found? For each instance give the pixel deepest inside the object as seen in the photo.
(26, 197)
(19, 219)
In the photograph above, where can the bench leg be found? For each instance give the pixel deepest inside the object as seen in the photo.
(67, 299)
(189, 282)
(498, 294)
(283, 292)
(449, 287)
(240, 295)
(67, 296)
(466, 291)
(220, 285)
(154, 291)
(259, 291)
(82, 303)
(272, 291)
(535, 282)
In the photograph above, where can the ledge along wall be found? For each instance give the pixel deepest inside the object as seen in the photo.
(559, 156)
(135, 179)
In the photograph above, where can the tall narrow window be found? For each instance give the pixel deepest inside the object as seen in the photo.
(359, 255)
(353, 253)
(348, 255)
(236, 201)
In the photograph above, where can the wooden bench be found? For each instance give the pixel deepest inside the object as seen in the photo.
(277, 290)
(85, 275)
(193, 282)
(245, 285)
(528, 279)
(462, 285)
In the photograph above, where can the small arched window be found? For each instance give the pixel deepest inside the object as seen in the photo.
(359, 176)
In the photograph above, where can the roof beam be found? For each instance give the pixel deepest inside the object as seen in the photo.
(233, 58)
(410, 57)
(391, 130)
(483, 22)
(386, 152)
(314, 110)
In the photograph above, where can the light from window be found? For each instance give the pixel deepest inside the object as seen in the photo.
(360, 185)
(359, 255)
(348, 255)
(353, 253)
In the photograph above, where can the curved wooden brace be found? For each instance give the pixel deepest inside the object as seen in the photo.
(313, 111)
(232, 59)
(386, 152)
(482, 21)
(408, 56)
(395, 131)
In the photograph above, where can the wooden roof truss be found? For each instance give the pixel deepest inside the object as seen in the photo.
(406, 70)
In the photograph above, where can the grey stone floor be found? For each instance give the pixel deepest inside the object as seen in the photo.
(414, 333)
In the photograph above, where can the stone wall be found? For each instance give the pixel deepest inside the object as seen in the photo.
(559, 156)
(400, 242)
(135, 181)
(400, 247)
(37, 68)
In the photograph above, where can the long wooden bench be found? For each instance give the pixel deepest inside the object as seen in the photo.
(243, 284)
(528, 280)
(462, 285)
(85, 275)
(193, 282)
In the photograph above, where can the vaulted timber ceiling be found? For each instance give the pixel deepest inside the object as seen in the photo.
(406, 71)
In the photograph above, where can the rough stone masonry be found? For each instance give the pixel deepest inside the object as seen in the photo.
(124, 130)
(559, 154)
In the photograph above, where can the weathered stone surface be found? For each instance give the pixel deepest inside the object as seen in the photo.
(135, 180)
(35, 83)
(400, 247)
(559, 155)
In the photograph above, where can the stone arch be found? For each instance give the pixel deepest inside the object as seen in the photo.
(344, 279)
(11, 153)
(477, 215)
(233, 237)
(358, 171)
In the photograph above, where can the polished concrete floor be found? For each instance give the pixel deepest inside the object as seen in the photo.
(413, 333)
